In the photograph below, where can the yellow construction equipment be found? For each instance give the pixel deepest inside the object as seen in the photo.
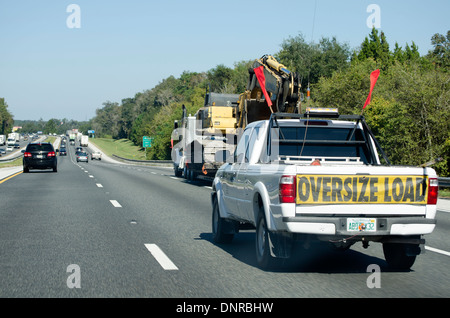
(281, 86)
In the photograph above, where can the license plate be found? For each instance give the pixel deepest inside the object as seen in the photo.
(361, 224)
(39, 156)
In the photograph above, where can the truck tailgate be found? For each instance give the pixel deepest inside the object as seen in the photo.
(367, 191)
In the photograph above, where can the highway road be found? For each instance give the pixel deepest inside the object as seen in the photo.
(101, 229)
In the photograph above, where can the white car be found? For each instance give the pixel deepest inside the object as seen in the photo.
(96, 155)
(9, 148)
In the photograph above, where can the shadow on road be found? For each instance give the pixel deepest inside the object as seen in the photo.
(318, 258)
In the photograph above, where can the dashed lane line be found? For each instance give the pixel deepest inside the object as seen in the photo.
(115, 203)
(161, 257)
(432, 249)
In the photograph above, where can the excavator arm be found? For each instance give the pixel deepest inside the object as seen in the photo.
(281, 85)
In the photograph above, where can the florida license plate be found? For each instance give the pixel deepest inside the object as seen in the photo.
(361, 224)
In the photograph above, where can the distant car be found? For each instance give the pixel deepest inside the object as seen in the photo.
(39, 155)
(62, 151)
(2, 151)
(78, 150)
(96, 155)
(9, 148)
(82, 156)
(16, 145)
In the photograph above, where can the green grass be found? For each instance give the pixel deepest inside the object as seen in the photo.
(444, 193)
(15, 163)
(122, 147)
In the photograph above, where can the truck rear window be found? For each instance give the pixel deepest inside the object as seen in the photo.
(323, 142)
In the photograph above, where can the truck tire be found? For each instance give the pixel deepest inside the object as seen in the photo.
(178, 172)
(397, 256)
(263, 257)
(219, 225)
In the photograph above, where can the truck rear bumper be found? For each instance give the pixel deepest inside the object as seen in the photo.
(338, 226)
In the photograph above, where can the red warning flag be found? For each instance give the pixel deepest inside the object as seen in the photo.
(259, 72)
(373, 79)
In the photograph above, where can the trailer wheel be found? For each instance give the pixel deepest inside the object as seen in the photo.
(397, 256)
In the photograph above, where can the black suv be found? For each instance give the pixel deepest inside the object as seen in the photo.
(39, 155)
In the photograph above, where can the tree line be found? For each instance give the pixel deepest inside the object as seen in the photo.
(6, 119)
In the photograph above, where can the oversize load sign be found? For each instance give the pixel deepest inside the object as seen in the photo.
(348, 189)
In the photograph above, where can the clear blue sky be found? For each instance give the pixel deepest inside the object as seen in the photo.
(48, 70)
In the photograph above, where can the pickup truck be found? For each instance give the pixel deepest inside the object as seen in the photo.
(321, 177)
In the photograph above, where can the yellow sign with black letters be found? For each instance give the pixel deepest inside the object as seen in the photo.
(361, 189)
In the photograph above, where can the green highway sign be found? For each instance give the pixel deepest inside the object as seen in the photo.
(146, 141)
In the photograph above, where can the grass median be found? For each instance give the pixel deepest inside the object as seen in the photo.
(121, 147)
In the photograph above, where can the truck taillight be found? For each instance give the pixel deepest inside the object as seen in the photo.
(433, 189)
(287, 189)
(27, 154)
(51, 154)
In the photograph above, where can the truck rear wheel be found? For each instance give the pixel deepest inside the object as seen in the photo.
(397, 255)
(263, 257)
(219, 226)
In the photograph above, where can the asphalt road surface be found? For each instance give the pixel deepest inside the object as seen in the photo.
(100, 229)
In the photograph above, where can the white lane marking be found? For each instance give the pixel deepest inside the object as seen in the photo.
(153, 172)
(437, 250)
(99, 185)
(115, 203)
(162, 258)
(174, 178)
(91, 176)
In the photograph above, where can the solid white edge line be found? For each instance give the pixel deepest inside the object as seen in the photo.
(115, 203)
(162, 258)
(432, 249)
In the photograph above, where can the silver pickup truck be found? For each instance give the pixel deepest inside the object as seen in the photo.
(321, 177)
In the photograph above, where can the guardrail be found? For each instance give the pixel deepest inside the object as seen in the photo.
(444, 182)
(143, 161)
(12, 158)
